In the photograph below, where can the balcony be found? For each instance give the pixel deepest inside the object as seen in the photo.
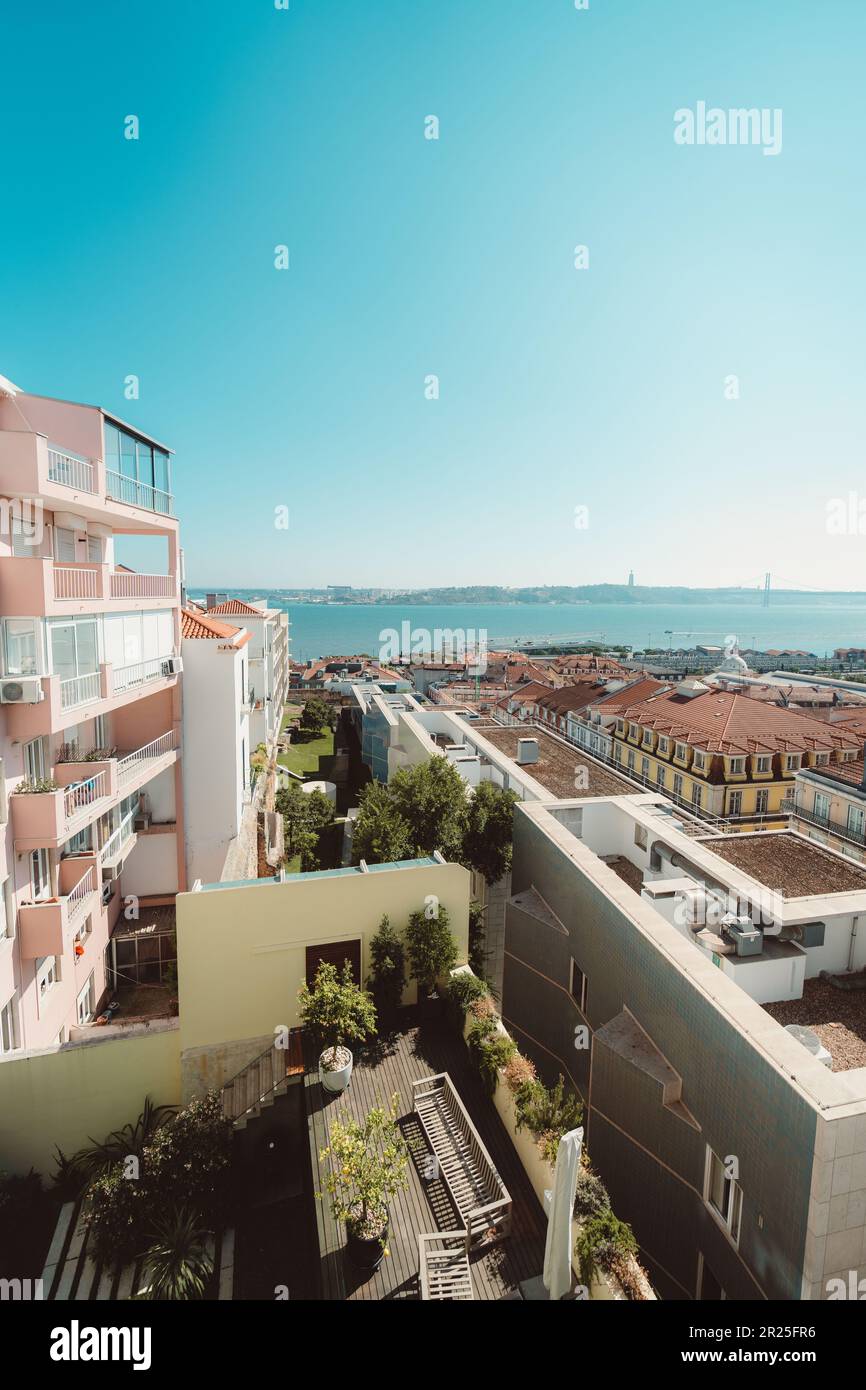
(137, 494)
(69, 470)
(45, 928)
(47, 819)
(832, 827)
(100, 583)
(124, 678)
(118, 845)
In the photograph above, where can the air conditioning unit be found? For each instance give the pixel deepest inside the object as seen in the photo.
(24, 690)
(172, 666)
(748, 939)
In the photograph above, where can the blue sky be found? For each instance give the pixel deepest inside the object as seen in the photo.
(602, 388)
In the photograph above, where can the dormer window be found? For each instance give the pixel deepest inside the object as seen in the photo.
(792, 762)
(738, 766)
(681, 751)
(647, 738)
(699, 762)
(763, 763)
(663, 745)
(822, 759)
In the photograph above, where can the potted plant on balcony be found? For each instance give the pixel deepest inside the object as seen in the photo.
(336, 1012)
(431, 950)
(368, 1163)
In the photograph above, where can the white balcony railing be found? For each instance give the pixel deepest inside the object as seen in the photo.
(71, 471)
(77, 898)
(79, 690)
(128, 767)
(126, 584)
(83, 794)
(115, 842)
(141, 673)
(72, 583)
(137, 494)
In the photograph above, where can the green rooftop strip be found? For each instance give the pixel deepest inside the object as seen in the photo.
(426, 862)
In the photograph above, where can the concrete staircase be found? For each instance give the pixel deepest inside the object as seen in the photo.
(260, 1082)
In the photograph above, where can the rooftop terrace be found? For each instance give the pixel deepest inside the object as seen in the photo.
(789, 864)
(392, 1064)
(558, 763)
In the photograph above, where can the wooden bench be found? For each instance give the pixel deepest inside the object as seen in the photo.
(466, 1167)
(444, 1266)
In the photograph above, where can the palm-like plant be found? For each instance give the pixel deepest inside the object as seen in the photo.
(78, 1172)
(178, 1265)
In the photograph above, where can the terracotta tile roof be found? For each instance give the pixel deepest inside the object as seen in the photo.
(638, 690)
(526, 695)
(571, 697)
(203, 625)
(720, 721)
(237, 607)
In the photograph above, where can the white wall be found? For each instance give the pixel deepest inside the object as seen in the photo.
(217, 741)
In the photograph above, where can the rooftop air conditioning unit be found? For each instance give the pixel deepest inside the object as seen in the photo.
(748, 939)
(24, 690)
(527, 750)
(811, 1042)
(172, 666)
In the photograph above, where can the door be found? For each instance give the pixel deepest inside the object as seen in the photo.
(334, 953)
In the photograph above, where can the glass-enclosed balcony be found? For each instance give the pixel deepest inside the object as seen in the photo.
(136, 471)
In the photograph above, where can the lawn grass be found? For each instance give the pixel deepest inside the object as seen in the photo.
(304, 757)
(290, 714)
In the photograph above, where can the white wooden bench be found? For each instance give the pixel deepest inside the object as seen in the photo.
(444, 1266)
(466, 1167)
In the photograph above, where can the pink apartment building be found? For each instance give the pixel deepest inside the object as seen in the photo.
(90, 707)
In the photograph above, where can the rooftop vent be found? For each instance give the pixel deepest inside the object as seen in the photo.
(688, 689)
(747, 938)
(811, 1042)
(527, 750)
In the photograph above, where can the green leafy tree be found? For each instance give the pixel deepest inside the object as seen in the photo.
(335, 1010)
(369, 1163)
(431, 799)
(488, 836)
(430, 946)
(476, 938)
(388, 968)
(178, 1265)
(380, 835)
(315, 716)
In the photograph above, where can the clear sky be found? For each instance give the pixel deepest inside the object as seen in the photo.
(602, 388)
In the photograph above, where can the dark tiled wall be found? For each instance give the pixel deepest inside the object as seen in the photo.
(653, 1161)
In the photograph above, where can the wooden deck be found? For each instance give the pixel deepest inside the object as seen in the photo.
(393, 1064)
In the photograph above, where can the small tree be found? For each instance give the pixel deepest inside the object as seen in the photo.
(430, 946)
(488, 836)
(476, 938)
(369, 1159)
(388, 968)
(315, 715)
(336, 1011)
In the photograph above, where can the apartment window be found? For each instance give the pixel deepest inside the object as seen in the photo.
(763, 764)
(39, 880)
(678, 784)
(821, 807)
(663, 745)
(699, 762)
(680, 751)
(577, 986)
(735, 804)
(630, 760)
(738, 766)
(94, 549)
(86, 1002)
(47, 976)
(34, 760)
(647, 738)
(822, 759)
(697, 793)
(792, 761)
(64, 545)
(645, 767)
(617, 753)
(136, 461)
(660, 775)
(723, 1195)
(74, 648)
(22, 646)
(762, 802)
(856, 819)
(9, 1039)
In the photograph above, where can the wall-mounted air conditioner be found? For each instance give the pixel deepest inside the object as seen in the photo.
(21, 690)
(172, 666)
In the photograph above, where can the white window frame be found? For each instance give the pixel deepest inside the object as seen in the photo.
(738, 766)
(10, 1036)
(763, 762)
(858, 814)
(729, 1213)
(40, 882)
(822, 813)
(85, 1003)
(47, 978)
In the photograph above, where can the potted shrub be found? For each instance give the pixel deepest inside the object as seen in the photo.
(336, 1012)
(387, 970)
(369, 1159)
(430, 948)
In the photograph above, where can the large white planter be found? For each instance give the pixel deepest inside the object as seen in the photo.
(335, 1080)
